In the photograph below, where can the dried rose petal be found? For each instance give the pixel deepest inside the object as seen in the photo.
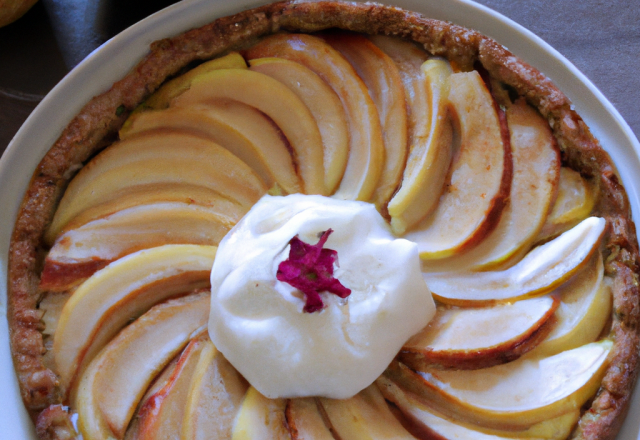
(309, 268)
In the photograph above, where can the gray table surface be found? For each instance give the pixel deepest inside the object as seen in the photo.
(602, 38)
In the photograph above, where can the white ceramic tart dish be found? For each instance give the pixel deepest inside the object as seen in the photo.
(521, 222)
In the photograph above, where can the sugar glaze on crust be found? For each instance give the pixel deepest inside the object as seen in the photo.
(97, 124)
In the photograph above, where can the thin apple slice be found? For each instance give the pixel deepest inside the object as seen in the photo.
(480, 175)
(163, 413)
(325, 106)
(382, 77)
(261, 418)
(536, 169)
(475, 338)
(585, 308)
(431, 151)
(156, 193)
(514, 395)
(51, 305)
(78, 253)
(366, 148)
(272, 165)
(429, 424)
(574, 203)
(108, 300)
(215, 396)
(430, 136)
(163, 96)
(305, 420)
(276, 101)
(364, 416)
(157, 158)
(539, 272)
(117, 378)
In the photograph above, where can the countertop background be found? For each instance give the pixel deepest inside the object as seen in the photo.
(601, 37)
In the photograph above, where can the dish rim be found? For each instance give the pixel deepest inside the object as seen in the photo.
(90, 78)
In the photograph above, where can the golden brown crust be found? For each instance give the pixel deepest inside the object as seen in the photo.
(97, 123)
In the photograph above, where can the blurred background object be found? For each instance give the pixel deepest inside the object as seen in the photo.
(601, 38)
(11, 10)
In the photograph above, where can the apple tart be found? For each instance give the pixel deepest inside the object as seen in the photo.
(522, 226)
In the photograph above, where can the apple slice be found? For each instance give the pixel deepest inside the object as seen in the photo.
(429, 424)
(305, 420)
(382, 77)
(539, 272)
(51, 305)
(78, 253)
(117, 378)
(163, 413)
(261, 418)
(366, 148)
(156, 193)
(480, 337)
(574, 203)
(108, 300)
(215, 395)
(157, 158)
(431, 151)
(585, 308)
(364, 416)
(514, 395)
(272, 165)
(276, 101)
(536, 168)
(480, 176)
(163, 96)
(325, 106)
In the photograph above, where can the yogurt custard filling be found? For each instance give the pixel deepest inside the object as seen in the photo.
(259, 323)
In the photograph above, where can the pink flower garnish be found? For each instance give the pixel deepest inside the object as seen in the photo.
(309, 268)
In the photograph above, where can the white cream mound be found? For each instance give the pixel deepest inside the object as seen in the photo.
(258, 322)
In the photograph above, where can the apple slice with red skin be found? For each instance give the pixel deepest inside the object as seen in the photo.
(364, 416)
(382, 77)
(261, 418)
(540, 271)
(163, 414)
(366, 147)
(159, 157)
(480, 176)
(272, 165)
(424, 422)
(515, 395)
(215, 395)
(305, 420)
(475, 338)
(536, 169)
(275, 100)
(325, 106)
(80, 252)
(117, 378)
(108, 300)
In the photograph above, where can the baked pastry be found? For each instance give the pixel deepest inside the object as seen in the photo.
(142, 179)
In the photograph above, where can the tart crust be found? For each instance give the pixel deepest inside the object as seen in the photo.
(98, 122)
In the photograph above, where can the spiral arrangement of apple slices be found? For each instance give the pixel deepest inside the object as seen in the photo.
(508, 248)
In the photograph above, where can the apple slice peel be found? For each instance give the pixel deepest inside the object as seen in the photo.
(539, 272)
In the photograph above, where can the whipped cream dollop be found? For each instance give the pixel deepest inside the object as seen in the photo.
(258, 322)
